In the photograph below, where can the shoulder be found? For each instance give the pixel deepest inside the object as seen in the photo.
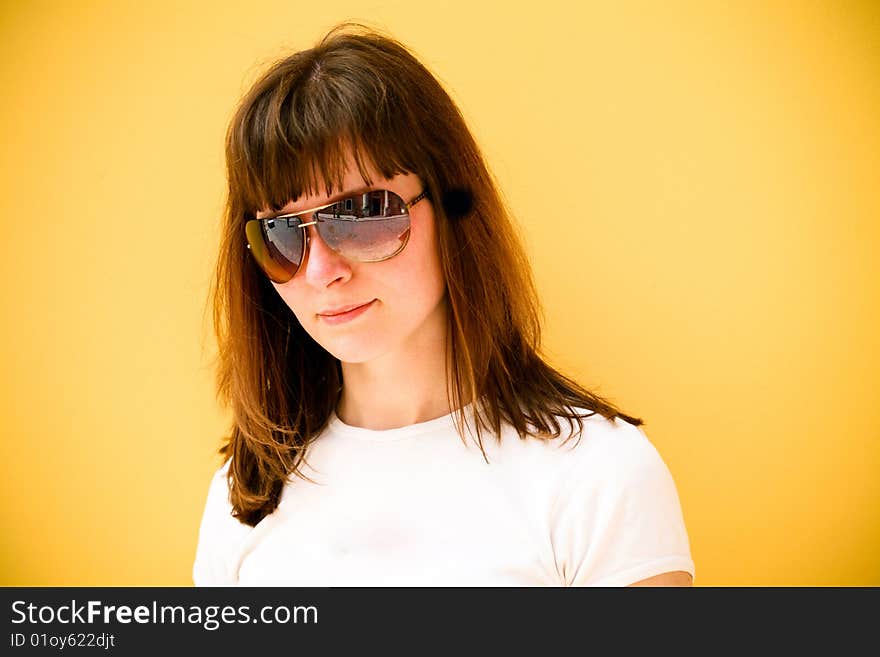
(217, 503)
(614, 451)
(219, 535)
(617, 514)
(614, 459)
(604, 450)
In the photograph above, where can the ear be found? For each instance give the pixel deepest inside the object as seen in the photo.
(457, 202)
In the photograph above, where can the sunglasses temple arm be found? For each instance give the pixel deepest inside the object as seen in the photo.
(416, 199)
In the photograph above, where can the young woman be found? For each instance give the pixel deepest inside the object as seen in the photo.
(393, 421)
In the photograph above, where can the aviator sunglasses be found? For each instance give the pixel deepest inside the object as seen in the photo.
(367, 227)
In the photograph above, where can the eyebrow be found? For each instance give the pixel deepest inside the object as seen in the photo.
(333, 199)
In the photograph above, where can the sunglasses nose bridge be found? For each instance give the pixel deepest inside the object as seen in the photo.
(308, 219)
(321, 262)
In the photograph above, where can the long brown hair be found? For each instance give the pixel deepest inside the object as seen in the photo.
(362, 90)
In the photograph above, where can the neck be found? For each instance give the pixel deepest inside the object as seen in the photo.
(403, 387)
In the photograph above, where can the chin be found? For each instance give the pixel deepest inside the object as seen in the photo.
(353, 350)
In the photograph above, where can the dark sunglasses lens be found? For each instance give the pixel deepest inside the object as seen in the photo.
(368, 227)
(277, 246)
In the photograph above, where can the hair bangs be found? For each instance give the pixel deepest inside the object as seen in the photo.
(298, 137)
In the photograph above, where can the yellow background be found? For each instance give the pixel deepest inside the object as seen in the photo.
(697, 184)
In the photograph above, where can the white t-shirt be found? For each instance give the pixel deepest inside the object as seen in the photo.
(417, 506)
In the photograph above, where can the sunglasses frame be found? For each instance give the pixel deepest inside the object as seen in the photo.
(310, 214)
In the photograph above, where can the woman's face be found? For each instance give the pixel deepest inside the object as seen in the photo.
(406, 293)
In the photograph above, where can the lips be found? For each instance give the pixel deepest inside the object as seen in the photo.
(342, 315)
(330, 312)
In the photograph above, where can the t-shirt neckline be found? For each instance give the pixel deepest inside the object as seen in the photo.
(439, 424)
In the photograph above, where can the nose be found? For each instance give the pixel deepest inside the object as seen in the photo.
(322, 265)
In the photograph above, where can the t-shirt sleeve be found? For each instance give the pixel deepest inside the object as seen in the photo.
(220, 536)
(619, 518)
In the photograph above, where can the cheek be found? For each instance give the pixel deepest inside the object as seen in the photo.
(296, 300)
(418, 278)
(429, 284)
(425, 257)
